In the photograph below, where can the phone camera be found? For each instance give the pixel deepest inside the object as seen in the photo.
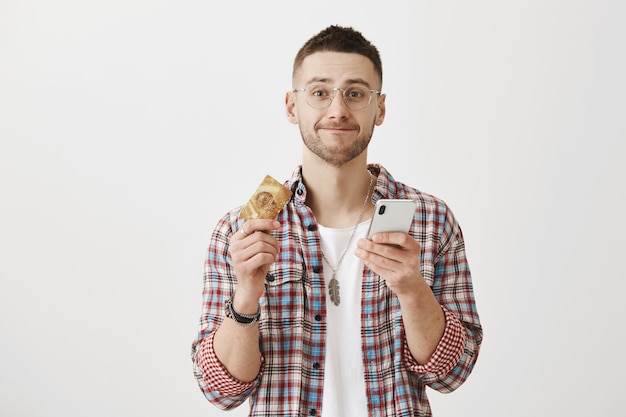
(381, 210)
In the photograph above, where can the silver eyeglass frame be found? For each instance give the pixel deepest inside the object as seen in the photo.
(332, 97)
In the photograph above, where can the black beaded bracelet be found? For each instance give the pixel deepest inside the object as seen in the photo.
(244, 320)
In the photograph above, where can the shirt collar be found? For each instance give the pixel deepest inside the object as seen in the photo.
(385, 186)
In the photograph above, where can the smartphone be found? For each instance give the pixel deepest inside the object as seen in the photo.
(392, 215)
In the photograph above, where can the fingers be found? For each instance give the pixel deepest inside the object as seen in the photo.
(380, 263)
(393, 252)
(397, 261)
(388, 243)
(246, 242)
(397, 239)
(247, 238)
(253, 266)
(253, 253)
(256, 225)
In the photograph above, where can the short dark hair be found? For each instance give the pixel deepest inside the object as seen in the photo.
(340, 39)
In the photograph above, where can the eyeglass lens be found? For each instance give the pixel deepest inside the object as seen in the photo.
(320, 96)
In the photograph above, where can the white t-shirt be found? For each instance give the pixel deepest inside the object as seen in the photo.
(344, 376)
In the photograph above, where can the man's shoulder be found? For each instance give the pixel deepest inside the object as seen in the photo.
(389, 187)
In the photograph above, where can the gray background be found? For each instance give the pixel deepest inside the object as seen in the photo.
(129, 127)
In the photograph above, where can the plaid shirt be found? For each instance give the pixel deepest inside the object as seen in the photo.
(292, 326)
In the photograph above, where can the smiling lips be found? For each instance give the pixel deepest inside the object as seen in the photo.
(338, 128)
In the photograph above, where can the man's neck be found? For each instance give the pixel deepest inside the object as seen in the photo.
(337, 194)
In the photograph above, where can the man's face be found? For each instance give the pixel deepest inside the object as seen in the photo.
(336, 133)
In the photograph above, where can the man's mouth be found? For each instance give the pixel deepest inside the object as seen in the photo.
(336, 128)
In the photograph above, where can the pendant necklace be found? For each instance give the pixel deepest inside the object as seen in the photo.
(333, 285)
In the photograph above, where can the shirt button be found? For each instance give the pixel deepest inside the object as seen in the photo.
(312, 411)
(316, 365)
(312, 227)
(318, 317)
(299, 191)
(317, 269)
(270, 277)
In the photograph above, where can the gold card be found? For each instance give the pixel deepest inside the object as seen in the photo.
(267, 201)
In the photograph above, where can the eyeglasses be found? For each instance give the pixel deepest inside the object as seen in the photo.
(320, 96)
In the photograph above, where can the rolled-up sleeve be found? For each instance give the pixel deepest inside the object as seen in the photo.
(447, 353)
(217, 384)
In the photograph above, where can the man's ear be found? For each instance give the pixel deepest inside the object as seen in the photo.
(290, 107)
(380, 111)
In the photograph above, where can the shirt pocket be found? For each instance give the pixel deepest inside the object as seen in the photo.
(284, 302)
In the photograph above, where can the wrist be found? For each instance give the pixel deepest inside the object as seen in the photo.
(245, 303)
(244, 318)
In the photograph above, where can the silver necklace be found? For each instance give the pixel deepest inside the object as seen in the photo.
(333, 285)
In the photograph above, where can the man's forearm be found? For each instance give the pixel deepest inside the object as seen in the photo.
(237, 348)
(424, 323)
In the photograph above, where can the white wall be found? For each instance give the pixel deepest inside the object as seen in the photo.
(129, 127)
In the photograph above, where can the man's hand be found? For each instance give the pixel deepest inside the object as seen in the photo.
(253, 250)
(395, 256)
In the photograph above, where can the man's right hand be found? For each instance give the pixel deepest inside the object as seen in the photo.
(252, 250)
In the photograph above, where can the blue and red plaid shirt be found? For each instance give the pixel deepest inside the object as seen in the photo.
(292, 327)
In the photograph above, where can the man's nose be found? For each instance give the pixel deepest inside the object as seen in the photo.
(337, 105)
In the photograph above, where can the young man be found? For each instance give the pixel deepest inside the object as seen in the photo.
(305, 316)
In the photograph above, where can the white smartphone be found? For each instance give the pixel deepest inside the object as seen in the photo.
(392, 215)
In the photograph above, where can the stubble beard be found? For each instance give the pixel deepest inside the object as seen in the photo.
(336, 156)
